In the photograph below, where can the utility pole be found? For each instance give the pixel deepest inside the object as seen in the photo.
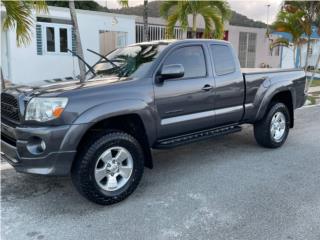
(145, 21)
(268, 9)
(79, 51)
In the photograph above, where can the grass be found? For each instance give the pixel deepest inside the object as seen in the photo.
(315, 83)
(312, 100)
(315, 94)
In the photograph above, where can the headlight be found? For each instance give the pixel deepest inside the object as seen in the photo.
(45, 109)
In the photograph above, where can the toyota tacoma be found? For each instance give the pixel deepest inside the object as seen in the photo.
(151, 95)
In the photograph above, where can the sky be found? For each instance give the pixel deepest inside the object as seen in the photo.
(254, 9)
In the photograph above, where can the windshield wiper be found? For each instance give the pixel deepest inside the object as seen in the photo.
(81, 59)
(104, 57)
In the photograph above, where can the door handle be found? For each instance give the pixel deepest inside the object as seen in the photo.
(207, 87)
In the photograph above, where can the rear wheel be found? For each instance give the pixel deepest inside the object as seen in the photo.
(272, 131)
(109, 169)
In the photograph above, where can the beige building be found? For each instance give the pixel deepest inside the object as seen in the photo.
(253, 47)
(250, 44)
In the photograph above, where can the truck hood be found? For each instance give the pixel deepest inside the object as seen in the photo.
(56, 88)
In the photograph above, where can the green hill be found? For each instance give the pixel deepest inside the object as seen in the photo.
(153, 11)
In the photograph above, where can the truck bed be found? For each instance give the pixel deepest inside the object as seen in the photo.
(248, 71)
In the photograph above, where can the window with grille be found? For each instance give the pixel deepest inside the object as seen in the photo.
(156, 32)
(247, 49)
(53, 38)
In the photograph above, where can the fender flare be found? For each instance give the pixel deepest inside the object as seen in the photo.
(268, 96)
(108, 110)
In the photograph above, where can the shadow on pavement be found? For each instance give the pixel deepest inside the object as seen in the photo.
(181, 160)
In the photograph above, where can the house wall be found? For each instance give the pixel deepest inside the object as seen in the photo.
(26, 66)
(287, 56)
(263, 55)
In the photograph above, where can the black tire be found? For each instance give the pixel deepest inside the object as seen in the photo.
(83, 169)
(262, 128)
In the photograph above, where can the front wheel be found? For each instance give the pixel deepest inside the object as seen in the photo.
(109, 168)
(272, 131)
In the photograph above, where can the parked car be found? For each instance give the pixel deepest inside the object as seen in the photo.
(148, 95)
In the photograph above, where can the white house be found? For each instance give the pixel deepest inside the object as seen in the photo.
(251, 44)
(301, 53)
(46, 57)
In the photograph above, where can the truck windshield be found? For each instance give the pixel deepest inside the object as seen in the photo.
(129, 61)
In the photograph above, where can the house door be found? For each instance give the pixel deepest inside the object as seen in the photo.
(112, 40)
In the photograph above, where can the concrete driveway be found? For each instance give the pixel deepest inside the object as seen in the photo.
(224, 188)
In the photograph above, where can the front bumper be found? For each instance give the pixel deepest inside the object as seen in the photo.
(54, 160)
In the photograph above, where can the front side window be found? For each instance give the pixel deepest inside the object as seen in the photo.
(223, 59)
(192, 60)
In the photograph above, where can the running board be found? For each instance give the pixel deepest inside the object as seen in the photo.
(196, 136)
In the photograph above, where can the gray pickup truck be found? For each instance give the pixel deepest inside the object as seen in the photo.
(151, 95)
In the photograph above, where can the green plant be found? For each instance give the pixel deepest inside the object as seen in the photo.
(213, 12)
(18, 14)
(290, 23)
(309, 13)
(315, 83)
(311, 99)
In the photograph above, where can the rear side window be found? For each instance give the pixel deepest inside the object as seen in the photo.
(192, 60)
(222, 59)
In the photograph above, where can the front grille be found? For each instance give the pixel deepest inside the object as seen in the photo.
(8, 139)
(9, 107)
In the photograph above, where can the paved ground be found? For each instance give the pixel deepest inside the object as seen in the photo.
(225, 188)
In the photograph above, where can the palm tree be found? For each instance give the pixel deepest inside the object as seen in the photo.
(309, 11)
(125, 3)
(18, 15)
(79, 50)
(290, 23)
(317, 65)
(213, 12)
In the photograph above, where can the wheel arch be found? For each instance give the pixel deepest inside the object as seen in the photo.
(285, 96)
(130, 123)
(115, 115)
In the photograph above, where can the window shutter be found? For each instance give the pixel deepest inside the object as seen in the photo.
(39, 39)
(74, 43)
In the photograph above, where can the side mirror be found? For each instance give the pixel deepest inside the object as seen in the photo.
(172, 71)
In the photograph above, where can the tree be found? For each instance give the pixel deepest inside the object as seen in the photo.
(213, 12)
(290, 23)
(309, 11)
(79, 50)
(125, 3)
(19, 15)
(317, 65)
(85, 5)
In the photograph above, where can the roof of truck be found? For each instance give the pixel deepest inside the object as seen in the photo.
(169, 41)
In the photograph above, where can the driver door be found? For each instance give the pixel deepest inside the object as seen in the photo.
(185, 104)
